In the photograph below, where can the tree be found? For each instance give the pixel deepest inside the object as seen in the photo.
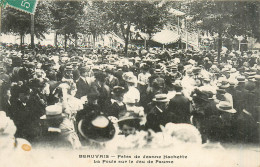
(93, 20)
(145, 16)
(225, 18)
(19, 23)
(67, 18)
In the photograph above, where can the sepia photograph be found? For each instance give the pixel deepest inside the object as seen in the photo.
(129, 83)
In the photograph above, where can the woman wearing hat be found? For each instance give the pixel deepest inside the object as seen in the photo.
(117, 107)
(132, 93)
(95, 130)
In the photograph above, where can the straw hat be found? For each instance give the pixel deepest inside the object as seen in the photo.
(53, 112)
(225, 107)
(161, 98)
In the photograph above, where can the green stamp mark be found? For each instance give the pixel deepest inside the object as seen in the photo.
(23, 5)
(3, 3)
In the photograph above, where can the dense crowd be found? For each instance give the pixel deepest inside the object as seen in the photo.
(85, 97)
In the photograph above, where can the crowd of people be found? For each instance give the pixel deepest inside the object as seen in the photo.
(88, 97)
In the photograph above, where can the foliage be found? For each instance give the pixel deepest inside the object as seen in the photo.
(145, 16)
(67, 16)
(17, 22)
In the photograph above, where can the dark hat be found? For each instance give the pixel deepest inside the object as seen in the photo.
(117, 90)
(83, 70)
(132, 121)
(98, 128)
(145, 67)
(221, 91)
(250, 86)
(196, 70)
(200, 96)
(24, 89)
(36, 83)
(29, 64)
(100, 76)
(158, 82)
(177, 86)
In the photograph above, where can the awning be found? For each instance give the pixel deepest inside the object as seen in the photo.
(256, 46)
(166, 37)
(176, 12)
(117, 38)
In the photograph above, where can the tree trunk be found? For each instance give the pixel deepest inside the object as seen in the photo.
(32, 31)
(219, 45)
(65, 37)
(21, 41)
(76, 40)
(94, 40)
(55, 39)
(127, 39)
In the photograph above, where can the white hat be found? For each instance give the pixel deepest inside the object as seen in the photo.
(53, 111)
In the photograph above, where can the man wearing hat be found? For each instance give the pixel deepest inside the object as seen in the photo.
(68, 75)
(26, 72)
(157, 115)
(222, 94)
(58, 130)
(179, 106)
(111, 80)
(26, 113)
(227, 115)
(84, 84)
(103, 90)
(241, 94)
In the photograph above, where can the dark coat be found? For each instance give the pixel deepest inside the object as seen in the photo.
(180, 106)
(240, 98)
(26, 118)
(84, 88)
(114, 82)
(115, 110)
(155, 118)
(104, 95)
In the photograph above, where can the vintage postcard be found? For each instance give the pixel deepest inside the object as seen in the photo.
(129, 83)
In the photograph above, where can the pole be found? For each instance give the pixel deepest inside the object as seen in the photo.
(0, 19)
(32, 31)
(239, 45)
(178, 25)
(186, 34)
(198, 38)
